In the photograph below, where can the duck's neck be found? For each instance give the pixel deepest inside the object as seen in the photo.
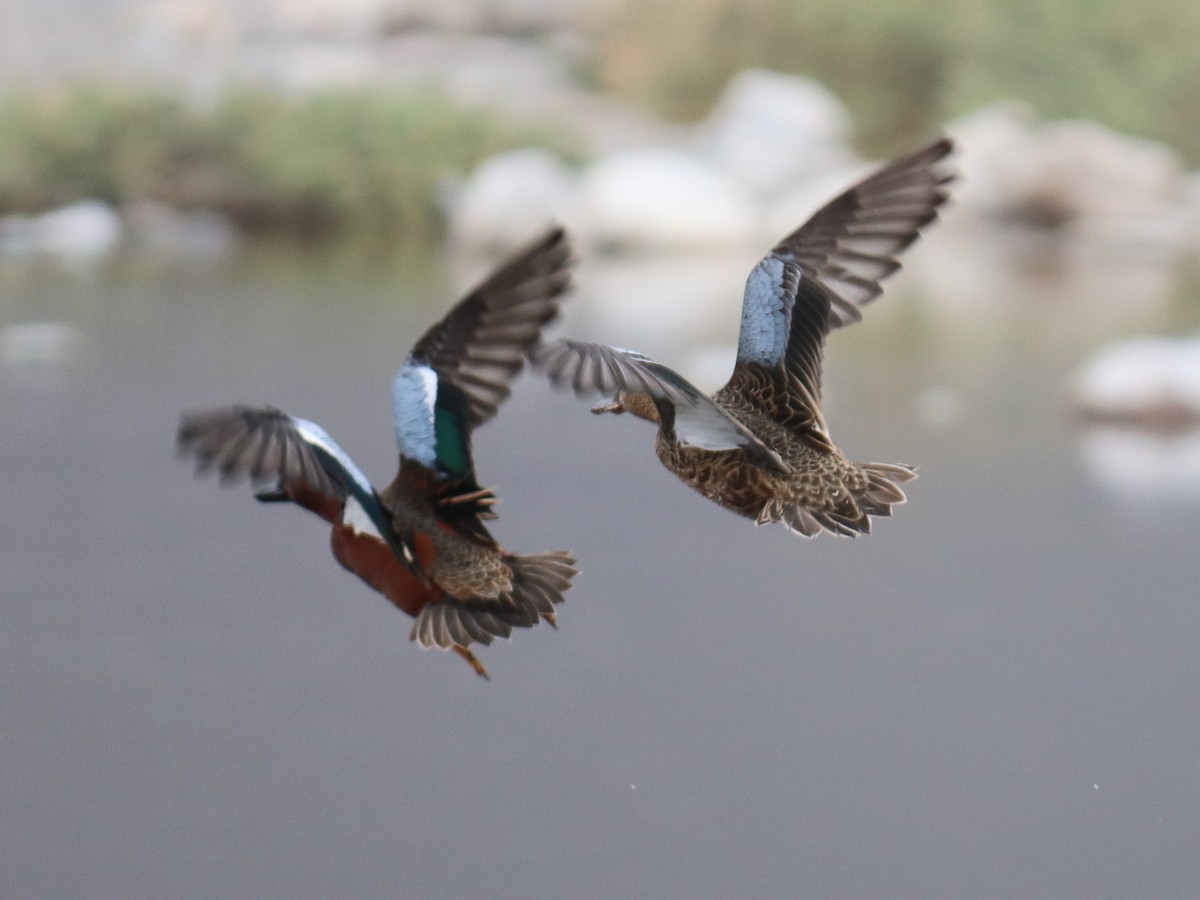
(641, 405)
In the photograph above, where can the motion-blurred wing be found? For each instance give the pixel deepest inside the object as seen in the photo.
(816, 279)
(850, 244)
(459, 371)
(269, 447)
(481, 344)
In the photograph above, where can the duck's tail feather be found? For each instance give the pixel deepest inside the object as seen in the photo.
(538, 583)
(850, 518)
(883, 487)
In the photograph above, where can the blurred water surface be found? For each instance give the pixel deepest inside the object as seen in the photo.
(994, 695)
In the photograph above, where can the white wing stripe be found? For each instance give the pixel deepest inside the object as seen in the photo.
(356, 516)
(705, 426)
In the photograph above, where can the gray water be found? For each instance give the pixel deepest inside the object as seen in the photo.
(995, 695)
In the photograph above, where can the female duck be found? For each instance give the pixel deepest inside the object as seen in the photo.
(760, 445)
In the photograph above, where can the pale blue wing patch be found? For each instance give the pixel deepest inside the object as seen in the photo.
(414, 393)
(767, 311)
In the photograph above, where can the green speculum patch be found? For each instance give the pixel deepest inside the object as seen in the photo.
(453, 447)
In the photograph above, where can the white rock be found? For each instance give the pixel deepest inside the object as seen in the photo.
(309, 65)
(1142, 399)
(1071, 175)
(772, 130)
(1189, 198)
(664, 302)
(342, 19)
(1100, 172)
(202, 234)
(792, 207)
(1144, 467)
(511, 197)
(996, 147)
(1151, 381)
(665, 199)
(83, 232)
(40, 343)
(972, 274)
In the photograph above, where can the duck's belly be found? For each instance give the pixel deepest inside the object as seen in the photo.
(730, 479)
(372, 560)
(724, 476)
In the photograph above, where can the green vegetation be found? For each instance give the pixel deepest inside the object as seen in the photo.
(906, 66)
(370, 161)
(362, 161)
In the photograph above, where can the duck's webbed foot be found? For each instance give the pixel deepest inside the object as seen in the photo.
(472, 660)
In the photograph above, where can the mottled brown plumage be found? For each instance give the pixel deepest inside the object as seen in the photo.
(760, 445)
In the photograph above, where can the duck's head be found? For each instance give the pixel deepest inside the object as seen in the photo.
(640, 403)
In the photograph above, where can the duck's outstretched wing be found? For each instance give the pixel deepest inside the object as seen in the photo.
(817, 277)
(458, 373)
(482, 342)
(286, 458)
(850, 244)
(683, 412)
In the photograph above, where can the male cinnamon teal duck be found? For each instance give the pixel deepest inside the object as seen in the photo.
(760, 445)
(421, 542)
